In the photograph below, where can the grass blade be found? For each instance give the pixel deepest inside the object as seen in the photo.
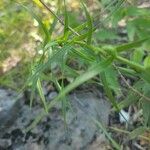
(90, 73)
(39, 20)
(66, 24)
(131, 45)
(108, 91)
(89, 23)
(39, 87)
(116, 145)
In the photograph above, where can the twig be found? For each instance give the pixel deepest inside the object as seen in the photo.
(130, 87)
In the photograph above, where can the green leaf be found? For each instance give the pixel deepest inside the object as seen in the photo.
(146, 75)
(94, 70)
(138, 56)
(66, 25)
(52, 26)
(146, 112)
(105, 34)
(146, 105)
(89, 23)
(90, 73)
(138, 27)
(82, 54)
(147, 62)
(129, 46)
(39, 87)
(38, 3)
(80, 37)
(108, 91)
(64, 99)
(42, 26)
(131, 96)
(112, 79)
(128, 72)
(79, 28)
(131, 29)
(56, 57)
(117, 16)
(70, 72)
(137, 12)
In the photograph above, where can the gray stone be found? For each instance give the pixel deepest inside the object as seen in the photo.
(80, 127)
(30, 146)
(5, 143)
(51, 95)
(9, 108)
(52, 133)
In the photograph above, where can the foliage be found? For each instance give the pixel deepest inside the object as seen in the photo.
(99, 60)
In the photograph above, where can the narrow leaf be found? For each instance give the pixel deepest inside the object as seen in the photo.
(147, 62)
(39, 20)
(112, 79)
(39, 87)
(108, 91)
(114, 143)
(90, 24)
(66, 25)
(138, 55)
(52, 27)
(132, 97)
(90, 73)
(129, 46)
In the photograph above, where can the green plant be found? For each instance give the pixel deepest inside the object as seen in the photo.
(95, 61)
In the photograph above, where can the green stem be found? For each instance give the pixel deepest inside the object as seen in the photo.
(94, 49)
(135, 66)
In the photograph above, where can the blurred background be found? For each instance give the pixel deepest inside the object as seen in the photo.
(20, 35)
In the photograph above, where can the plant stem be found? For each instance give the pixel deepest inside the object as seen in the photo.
(135, 66)
(131, 88)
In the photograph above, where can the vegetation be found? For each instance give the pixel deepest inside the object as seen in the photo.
(84, 53)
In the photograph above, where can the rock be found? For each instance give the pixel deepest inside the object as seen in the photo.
(100, 143)
(80, 127)
(51, 133)
(51, 95)
(5, 143)
(9, 108)
(29, 146)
